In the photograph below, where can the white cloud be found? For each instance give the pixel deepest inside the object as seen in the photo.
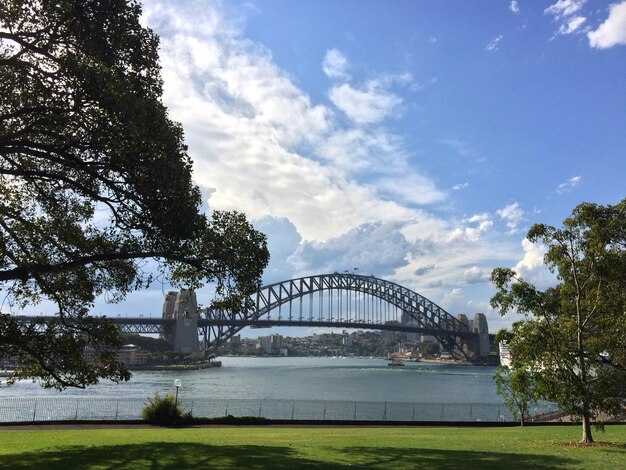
(376, 248)
(408, 188)
(533, 257)
(452, 296)
(572, 24)
(476, 275)
(444, 254)
(471, 228)
(456, 187)
(514, 6)
(356, 150)
(335, 65)
(563, 8)
(363, 152)
(424, 269)
(565, 13)
(613, 31)
(532, 268)
(568, 185)
(264, 146)
(513, 214)
(283, 240)
(368, 106)
(493, 45)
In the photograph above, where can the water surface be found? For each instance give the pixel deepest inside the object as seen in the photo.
(301, 378)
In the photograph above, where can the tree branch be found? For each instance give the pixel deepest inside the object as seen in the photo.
(28, 270)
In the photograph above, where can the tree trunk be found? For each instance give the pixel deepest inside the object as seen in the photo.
(587, 438)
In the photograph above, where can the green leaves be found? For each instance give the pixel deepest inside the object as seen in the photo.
(518, 389)
(63, 352)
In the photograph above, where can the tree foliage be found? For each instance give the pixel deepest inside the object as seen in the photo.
(516, 384)
(95, 181)
(517, 388)
(573, 337)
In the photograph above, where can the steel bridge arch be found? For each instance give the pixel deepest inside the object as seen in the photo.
(431, 318)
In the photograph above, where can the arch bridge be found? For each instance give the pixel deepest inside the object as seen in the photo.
(325, 300)
(348, 301)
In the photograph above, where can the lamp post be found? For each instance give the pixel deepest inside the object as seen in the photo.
(177, 384)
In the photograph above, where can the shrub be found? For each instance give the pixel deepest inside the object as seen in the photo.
(162, 411)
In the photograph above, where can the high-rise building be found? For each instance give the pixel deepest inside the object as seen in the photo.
(271, 344)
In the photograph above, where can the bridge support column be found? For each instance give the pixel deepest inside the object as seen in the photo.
(482, 341)
(183, 307)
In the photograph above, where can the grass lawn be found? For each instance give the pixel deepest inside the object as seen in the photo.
(314, 447)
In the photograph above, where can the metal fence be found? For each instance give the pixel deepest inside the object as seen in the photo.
(23, 410)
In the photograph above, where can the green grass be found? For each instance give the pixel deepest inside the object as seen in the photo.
(317, 447)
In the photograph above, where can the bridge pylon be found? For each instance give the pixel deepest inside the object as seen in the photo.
(182, 307)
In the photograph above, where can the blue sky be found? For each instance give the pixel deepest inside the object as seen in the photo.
(416, 140)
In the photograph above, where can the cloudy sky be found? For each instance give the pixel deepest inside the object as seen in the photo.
(417, 141)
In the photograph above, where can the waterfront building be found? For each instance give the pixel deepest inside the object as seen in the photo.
(132, 355)
(129, 354)
(505, 354)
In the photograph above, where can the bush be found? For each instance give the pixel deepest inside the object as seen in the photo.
(162, 411)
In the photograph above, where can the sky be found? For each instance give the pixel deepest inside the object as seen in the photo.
(415, 140)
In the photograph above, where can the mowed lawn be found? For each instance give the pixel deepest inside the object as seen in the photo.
(312, 447)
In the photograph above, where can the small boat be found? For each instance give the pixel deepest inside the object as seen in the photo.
(396, 362)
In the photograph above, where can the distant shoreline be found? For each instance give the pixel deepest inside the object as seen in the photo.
(151, 367)
(200, 366)
(449, 362)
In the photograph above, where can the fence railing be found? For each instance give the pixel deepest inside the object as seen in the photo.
(23, 410)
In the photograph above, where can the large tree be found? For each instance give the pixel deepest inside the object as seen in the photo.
(96, 191)
(573, 337)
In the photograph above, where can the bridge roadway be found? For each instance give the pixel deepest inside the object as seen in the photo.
(153, 325)
(202, 322)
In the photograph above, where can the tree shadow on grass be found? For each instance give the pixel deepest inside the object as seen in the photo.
(394, 457)
(162, 455)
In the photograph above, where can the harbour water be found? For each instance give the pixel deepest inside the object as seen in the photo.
(353, 389)
(301, 378)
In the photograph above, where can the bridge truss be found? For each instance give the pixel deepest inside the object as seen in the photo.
(341, 300)
(324, 300)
